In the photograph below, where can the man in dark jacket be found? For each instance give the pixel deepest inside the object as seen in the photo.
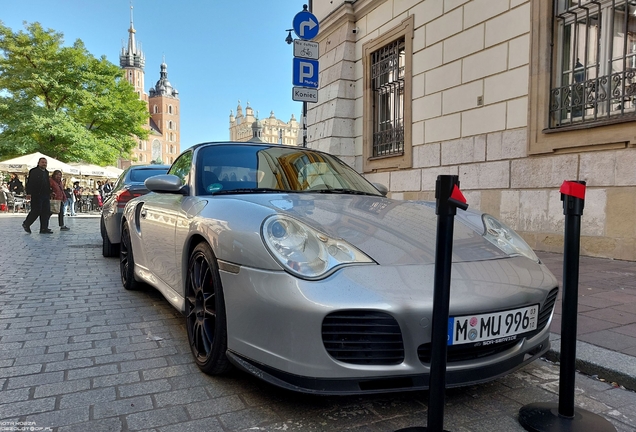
(39, 189)
(15, 185)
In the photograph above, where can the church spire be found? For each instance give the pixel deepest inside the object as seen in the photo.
(163, 86)
(132, 56)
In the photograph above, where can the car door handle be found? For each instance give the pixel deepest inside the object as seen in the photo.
(143, 214)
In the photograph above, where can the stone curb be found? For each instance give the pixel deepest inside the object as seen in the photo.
(591, 360)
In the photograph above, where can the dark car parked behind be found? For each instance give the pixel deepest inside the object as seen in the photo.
(129, 185)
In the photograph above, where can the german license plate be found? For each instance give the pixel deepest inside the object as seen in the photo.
(494, 327)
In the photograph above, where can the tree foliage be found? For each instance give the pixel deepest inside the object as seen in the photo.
(62, 101)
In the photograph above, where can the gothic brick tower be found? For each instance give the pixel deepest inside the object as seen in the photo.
(163, 143)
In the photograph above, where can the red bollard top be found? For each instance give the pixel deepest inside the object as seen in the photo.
(448, 195)
(457, 198)
(573, 197)
(573, 188)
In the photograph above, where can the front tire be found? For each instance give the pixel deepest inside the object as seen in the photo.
(126, 260)
(205, 312)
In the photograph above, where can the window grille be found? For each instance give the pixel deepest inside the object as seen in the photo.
(387, 82)
(596, 62)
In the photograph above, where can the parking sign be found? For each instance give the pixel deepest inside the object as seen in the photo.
(305, 72)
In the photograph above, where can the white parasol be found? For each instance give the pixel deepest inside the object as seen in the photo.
(22, 164)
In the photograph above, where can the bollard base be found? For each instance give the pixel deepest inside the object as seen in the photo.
(544, 417)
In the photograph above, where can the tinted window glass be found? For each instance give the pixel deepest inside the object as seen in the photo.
(181, 167)
(235, 166)
(140, 175)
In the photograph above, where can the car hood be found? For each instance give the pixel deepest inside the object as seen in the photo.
(389, 231)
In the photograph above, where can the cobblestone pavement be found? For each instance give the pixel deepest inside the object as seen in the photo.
(79, 353)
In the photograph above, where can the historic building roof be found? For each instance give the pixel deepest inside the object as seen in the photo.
(163, 86)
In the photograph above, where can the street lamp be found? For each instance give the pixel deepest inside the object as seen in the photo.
(289, 39)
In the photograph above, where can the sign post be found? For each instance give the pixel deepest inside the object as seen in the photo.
(305, 65)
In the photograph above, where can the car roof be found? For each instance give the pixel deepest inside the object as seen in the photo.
(152, 166)
(249, 143)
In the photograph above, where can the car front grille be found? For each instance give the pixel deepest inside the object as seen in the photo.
(363, 337)
(546, 310)
(464, 352)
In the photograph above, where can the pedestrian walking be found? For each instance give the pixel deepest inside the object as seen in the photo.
(70, 199)
(100, 189)
(4, 197)
(77, 193)
(107, 188)
(59, 197)
(38, 189)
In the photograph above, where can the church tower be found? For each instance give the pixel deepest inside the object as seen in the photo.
(132, 60)
(163, 143)
(164, 112)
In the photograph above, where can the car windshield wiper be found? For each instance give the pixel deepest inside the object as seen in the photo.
(342, 191)
(248, 190)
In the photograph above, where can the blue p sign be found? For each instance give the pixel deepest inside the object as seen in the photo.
(305, 72)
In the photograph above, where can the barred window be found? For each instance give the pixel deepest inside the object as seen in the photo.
(387, 128)
(387, 75)
(595, 69)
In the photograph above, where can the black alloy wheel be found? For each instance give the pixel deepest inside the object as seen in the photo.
(205, 312)
(126, 260)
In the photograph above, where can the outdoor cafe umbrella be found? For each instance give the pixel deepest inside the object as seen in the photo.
(90, 173)
(22, 164)
(89, 170)
(114, 171)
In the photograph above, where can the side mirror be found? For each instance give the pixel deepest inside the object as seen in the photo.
(166, 183)
(381, 188)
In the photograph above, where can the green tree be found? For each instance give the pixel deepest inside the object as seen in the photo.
(63, 101)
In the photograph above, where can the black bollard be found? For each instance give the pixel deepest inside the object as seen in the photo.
(448, 197)
(547, 417)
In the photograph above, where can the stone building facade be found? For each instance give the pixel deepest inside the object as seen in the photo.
(514, 96)
(272, 129)
(163, 143)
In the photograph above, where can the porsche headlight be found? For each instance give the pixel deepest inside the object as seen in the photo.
(306, 252)
(502, 236)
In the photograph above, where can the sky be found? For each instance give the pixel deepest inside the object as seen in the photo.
(217, 52)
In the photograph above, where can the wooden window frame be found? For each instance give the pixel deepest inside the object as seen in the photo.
(405, 160)
(610, 134)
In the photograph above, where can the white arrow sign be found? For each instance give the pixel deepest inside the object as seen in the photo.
(310, 23)
(306, 25)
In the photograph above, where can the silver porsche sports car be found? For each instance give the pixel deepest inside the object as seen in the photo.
(291, 266)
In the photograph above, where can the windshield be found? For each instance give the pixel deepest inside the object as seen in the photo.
(236, 168)
(139, 175)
